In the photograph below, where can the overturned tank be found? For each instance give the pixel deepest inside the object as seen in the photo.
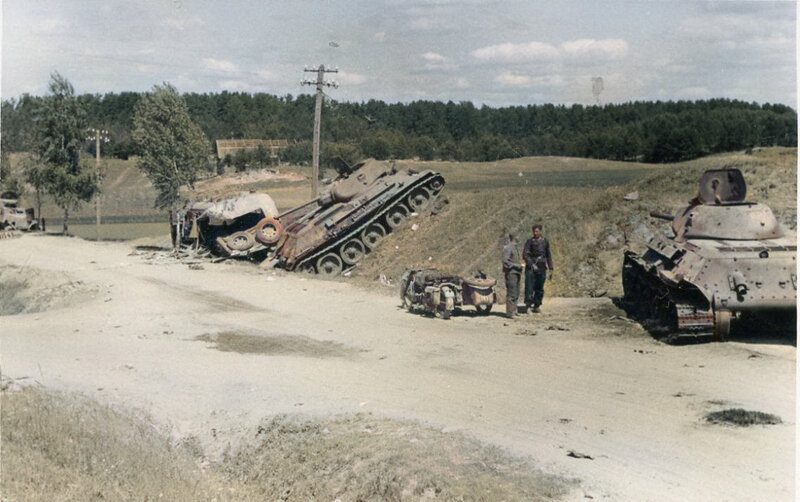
(728, 259)
(351, 218)
(239, 226)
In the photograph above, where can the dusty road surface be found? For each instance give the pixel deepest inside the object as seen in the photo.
(123, 327)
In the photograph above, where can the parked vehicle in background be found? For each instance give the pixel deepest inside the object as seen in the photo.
(14, 217)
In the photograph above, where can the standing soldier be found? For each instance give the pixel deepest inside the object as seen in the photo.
(537, 262)
(512, 270)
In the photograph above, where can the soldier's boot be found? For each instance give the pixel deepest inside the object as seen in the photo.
(511, 309)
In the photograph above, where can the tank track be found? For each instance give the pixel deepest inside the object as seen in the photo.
(434, 184)
(666, 312)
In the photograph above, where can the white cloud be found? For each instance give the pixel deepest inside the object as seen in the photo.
(435, 61)
(351, 78)
(513, 79)
(611, 48)
(735, 26)
(519, 80)
(517, 53)
(381, 36)
(693, 93)
(541, 51)
(433, 57)
(235, 85)
(462, 83)
(432, 23)
(219, 65)
(266, 75)
(182, 24)
(48, 26)
(773, 42)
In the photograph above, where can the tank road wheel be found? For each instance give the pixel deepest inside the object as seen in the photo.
(352, 251)
(722, 325)
(240, 241)
(329, 264)
(396, 216)
(419, 199)
(269, 231)
(483, 309)
(436, 185)
(373, 235)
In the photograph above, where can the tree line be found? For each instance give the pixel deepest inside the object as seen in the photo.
(649, 131)
(171, 150)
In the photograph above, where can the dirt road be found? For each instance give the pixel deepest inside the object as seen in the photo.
(123, 327)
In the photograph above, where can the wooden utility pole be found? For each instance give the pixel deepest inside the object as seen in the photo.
(320, 83)
(99, 134)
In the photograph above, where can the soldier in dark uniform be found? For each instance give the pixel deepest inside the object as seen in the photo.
(537, 263)
(512, 270)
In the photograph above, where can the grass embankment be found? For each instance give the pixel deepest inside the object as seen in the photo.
(58, 447)
(580, 203)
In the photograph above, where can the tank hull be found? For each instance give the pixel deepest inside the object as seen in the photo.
(728, 260)
(335, 231)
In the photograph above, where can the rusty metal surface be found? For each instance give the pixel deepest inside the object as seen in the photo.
(726, 257)
(375, 194)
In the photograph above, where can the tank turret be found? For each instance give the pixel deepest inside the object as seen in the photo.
(728, 258)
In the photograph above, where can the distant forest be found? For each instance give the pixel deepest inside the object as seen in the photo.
(637, 131)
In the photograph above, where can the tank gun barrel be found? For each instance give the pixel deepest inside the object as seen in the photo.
(661, 216)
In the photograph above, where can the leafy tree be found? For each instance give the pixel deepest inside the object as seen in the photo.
(172, 148)
(61, 131)
(35, 174)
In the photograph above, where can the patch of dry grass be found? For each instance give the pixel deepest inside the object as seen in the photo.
(363, 458)
(68, 447)
(60, 447)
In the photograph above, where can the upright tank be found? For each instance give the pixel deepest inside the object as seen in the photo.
(337, 229)
(727, 259)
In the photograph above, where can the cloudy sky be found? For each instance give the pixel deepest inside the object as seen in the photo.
(496, 53)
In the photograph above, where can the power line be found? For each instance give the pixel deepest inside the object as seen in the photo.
(320, 83)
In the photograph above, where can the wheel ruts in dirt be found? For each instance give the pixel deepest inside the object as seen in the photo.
(419, 199)
(396, 216)
(240, 241)
(269, 231)
(722, 324)
(352, 251)
(329, 264)
(373, 235)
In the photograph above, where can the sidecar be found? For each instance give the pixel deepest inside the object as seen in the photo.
(439, 294)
